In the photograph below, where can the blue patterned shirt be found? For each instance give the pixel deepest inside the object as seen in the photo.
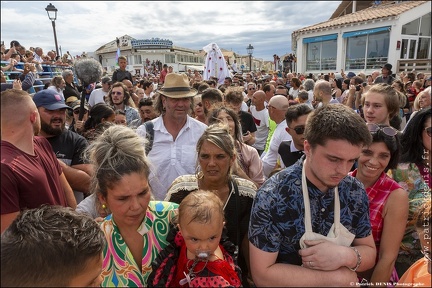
(277, 217)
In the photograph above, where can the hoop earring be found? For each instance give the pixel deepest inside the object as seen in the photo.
(198, 173)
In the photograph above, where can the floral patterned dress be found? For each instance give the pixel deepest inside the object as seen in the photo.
(119, 268)
(410, 177)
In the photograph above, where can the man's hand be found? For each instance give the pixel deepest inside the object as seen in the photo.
(323, 255)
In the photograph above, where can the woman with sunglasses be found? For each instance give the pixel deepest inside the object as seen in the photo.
(76, 125)
(198, 109)
(413, 173)
(388, 201)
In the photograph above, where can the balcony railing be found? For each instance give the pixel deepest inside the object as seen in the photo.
(418, 65)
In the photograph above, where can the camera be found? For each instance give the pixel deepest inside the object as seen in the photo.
(358, 88)
(364, 84)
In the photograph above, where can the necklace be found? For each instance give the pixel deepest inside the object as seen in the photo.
(191, 273)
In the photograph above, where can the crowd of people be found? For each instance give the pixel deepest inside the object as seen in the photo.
(269, 179)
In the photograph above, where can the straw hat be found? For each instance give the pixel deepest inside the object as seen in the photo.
(177, 86)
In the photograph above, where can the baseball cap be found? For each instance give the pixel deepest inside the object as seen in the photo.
(71, 99)
(49, 99)
(106, 79)
(77, 104)
(351, 74)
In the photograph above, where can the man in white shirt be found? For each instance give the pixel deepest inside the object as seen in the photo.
(173, 148)
(277, 107)
(99, 95)
(260, 116)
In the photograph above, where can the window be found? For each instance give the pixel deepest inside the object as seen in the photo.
(137, 59)
(368, 49)
(169, 58)
(419, 39)
(411, 28)
(321, 55)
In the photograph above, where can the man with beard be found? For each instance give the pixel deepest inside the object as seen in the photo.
(118, 99)
(147, 113)
(30, 173)
(67, 145)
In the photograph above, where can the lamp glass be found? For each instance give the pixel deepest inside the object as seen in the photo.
(250, 49)
(52, 12)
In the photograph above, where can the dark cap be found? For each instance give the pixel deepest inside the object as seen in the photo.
(14, 43)
(50, 100)
(77, 104)
(106, 79)
(387, 66)
(351, 74)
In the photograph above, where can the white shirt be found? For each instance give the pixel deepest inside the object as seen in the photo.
(170, 159)
(97, 96)
(293, 92)
(270, 158)
(261, 119)
(244, 107)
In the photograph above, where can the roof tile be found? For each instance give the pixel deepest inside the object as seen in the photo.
(371, 13)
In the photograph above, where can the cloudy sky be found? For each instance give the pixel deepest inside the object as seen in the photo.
(233, 25)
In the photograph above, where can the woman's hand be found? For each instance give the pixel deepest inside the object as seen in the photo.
(17, 84)
(79, 126)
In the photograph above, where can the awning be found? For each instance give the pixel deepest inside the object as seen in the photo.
(365, 32)
(320, 38)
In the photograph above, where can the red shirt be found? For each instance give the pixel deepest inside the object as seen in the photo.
(29, 181)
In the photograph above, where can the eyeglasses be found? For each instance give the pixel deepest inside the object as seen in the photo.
(116, 93)
(77, 111)
(426, 254)
(299, 129)
(428, 131)
(374, 128)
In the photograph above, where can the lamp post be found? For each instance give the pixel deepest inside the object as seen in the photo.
(52, 15)
(249, 50)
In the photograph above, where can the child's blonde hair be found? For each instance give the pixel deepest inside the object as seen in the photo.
(201, 206)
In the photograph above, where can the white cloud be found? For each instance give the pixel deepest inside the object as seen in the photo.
(87, 25)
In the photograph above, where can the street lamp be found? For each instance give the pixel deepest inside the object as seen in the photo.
(249, 50)
(52, 15)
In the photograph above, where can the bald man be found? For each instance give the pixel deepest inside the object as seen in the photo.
(261, 118)
(30, 172)
(277, 107)
(323, 93)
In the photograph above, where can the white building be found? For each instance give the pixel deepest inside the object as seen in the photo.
(142, 52)
(395, 32)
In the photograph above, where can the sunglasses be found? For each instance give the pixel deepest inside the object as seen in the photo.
(374, 128)
(116, 93)
(428, 131)
(299, 129)
(77, 111)
(252, 89)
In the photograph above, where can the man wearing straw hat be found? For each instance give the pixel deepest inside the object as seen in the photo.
(172, 150)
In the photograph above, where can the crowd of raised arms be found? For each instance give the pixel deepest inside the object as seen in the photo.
(264, 178)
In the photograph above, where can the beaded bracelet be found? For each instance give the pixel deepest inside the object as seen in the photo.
(359, 259)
